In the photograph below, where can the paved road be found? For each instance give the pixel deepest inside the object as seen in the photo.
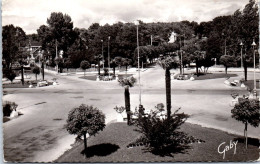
(39, 134)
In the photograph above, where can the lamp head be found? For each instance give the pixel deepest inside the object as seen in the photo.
(241, 44)
(253, 44)
(136, 22)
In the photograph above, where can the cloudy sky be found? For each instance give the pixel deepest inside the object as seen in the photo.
(31, 14)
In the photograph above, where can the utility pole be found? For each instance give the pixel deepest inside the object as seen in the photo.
(139, 77)
(103, 56)
(108, 58)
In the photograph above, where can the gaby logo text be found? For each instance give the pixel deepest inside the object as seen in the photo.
(222, 148)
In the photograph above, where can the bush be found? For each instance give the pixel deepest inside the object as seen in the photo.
(160, 132)
(9, 74)
(106, 72)
(8, 107)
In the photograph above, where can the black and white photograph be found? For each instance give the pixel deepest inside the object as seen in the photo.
(130, 81)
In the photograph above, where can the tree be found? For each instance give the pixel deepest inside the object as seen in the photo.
(167, 63)
(228, 61)
(126, 62)
(12, 38)
(58, 32)
(67, 64)
(85, 120)
(247, 111)
(36, 71)
(84, 65)
(9, 74)
(126, 83)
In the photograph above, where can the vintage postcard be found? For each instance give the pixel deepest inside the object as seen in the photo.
(130, 81)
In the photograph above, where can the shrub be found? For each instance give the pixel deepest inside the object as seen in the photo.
(84, 65)
(8, 107)
(9, 74)
(160, 132)
(36, 71)
(106, 72)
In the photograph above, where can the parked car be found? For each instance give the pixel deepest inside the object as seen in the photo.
(42, 83)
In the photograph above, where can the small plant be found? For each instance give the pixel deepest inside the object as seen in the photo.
(8, 107)
(234, 95)
(120, 109)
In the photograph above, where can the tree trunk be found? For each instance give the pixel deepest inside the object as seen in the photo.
(22, 75)
(226, 69)
(114, 70)
(127, 103)
(85, 144)
(197, 68)
(182, 69)
(245, 69)
(168, 91)
(245, 133)
(42, 71)
(126, 68)
(36, 76)
(84, 72)
(98, 67)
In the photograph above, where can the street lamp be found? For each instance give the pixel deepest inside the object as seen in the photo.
(253, 44)
(241, 44)
(103, 56)
(138, 57)
(108, 58)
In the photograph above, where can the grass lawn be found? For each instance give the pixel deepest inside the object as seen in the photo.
(16, 85)
(110, 145)
(213, 76)
(94, 77)
(250, 83)
(19, 84)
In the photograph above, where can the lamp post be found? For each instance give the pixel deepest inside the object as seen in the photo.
(108, 58)
(138, 57)
(241, 44)
(56, 46)
(253, 44)
(103, 56)
(181, 70)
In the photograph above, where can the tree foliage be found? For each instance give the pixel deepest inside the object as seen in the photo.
(247, 111)
(12, 39)
(85, 119)
(228, 61)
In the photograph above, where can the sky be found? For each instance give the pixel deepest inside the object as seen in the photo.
(31, 14)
